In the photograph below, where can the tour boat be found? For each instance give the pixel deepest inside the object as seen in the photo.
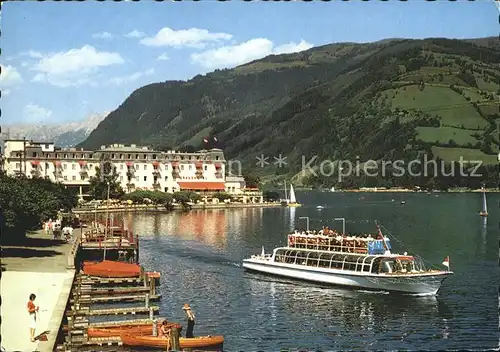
(352, 261)
(109, 268)
(161, 342)
(484, 211)
(117, 331)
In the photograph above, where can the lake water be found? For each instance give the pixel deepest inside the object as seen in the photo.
(199, 254)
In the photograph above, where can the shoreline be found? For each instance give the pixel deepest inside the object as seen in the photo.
(177, 207)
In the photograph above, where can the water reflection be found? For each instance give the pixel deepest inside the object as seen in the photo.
(292, 218)
(206, 226)
(363, 318)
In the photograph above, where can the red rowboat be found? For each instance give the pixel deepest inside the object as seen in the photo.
(161, 342)
(108, 268)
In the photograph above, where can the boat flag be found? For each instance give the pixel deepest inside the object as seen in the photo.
(446, 262)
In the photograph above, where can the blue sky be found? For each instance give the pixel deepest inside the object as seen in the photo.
(62, 61)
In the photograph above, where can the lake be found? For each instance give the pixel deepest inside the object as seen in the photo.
(199, 254)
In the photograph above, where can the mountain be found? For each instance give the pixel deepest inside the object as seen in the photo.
(63, 135)
(388, 100)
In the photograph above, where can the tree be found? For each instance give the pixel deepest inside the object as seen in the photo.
(25, 203)
(271, 196)
(99, 183)
(222, 196)
(252, 181)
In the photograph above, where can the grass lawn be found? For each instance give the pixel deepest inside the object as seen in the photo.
(454, 154)
(444, 134)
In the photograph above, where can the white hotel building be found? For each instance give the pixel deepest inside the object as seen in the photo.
(138, 168)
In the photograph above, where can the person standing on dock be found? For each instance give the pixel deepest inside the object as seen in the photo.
(190, 317)
(32, 310)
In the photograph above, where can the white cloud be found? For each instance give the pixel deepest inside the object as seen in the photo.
(10, 76)
(135, 34)
(234, 55)
(24, 63)
(102, 35)
(292, 47)
(130, 78)
(34, 112)
(163, 57)
(192, 37)
(73, 67)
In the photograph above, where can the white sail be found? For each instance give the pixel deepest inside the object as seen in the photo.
(485, 206)
(292, 195)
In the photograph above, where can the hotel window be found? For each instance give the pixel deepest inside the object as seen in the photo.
(65, 178)
(121, 166)
(206, 167)
(166, 189)
(121, 178)
(182, 167)
(74, 178)
(154, 156)
(18, 165)
(216, 158)
(34, 154)
(121, 156)
(190, 167)
(65, 156)
(73, 167)
(137, 166)
(145, 167)
(64, 166)
(166, 178)
(137, 156)
(145, 178)
(83, 177)
(90, 166)
(137, 178)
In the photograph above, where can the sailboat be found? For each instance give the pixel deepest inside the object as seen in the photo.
(292, 201)
(484, 211)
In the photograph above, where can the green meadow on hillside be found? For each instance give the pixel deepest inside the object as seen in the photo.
(445, 134)
(452, 108)
(454, 154)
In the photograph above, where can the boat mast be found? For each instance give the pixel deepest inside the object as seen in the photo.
(106, 225)
(286, 195)
(485, 205)
(386, 247)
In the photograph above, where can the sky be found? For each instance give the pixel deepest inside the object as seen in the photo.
(62, 61)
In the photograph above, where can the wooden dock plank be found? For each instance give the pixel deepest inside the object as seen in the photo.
(91, 290)
(85, 311)
(122, 298)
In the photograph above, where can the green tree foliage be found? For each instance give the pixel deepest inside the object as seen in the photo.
(105, 175)
(222, 196)
(252, 181)
(156, 197)
(25, 203)
(271, 196)
(185, 198)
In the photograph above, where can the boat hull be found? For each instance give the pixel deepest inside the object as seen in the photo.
(108, 268)
(160, 342)
(422, 284)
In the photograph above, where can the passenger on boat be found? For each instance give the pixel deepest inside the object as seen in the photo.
(164, 329)
(190, 317)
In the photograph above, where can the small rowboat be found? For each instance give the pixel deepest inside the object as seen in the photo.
(161, 342)
(143, 329)
(109, 268)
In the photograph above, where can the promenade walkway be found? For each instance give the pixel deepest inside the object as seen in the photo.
(37, 266)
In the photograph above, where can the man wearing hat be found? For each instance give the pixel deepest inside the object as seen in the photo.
(190, 317)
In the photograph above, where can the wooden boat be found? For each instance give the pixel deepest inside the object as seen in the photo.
(117, 331)
(161, 342)
(109, 268)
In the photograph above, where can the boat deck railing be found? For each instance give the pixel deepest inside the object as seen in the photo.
(327, 243)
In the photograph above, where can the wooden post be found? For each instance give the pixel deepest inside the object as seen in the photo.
(147, 300)
(152, 286)
(146, 279)
(155, 328)
(174, 339)
(151, 313)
